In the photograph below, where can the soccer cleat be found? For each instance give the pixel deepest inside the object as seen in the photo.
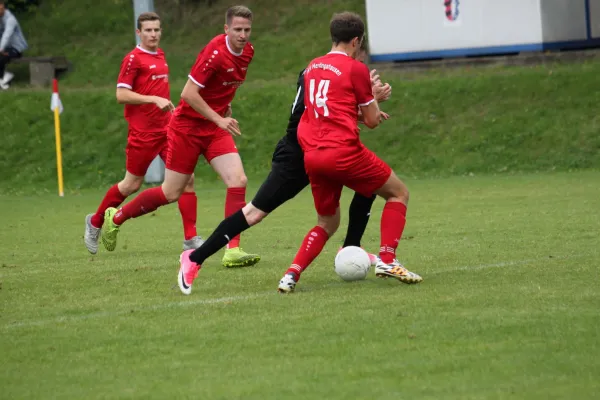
(7, 77)
(236, 257)
(193, 243)
(287, 284)
(110, 229)
(187, 272)
(91, 235)
(372, 257)
(397, 271)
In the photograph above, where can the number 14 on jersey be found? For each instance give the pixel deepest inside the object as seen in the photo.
(320, 100)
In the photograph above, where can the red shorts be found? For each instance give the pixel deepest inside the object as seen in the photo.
(329, 170)
(187, 141)
(142, 148)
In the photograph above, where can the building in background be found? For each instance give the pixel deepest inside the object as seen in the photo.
(405, 30)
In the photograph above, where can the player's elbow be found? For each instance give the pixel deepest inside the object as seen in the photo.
(187, 94)
(371, 121)
(371, 115)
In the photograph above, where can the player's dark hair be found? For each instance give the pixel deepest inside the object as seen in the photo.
(147, 16)
(364, 46)
(237, 11)
(346, 26)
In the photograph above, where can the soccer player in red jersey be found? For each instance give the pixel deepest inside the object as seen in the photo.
(337, 88)
(202, 125)
(143, 86)
(286, 179)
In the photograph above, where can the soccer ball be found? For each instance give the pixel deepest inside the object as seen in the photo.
(352, 263)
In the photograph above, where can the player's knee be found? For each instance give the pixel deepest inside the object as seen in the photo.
(172, 194)
(239, 180)
(402, 194)
(189, 187)
(329, 225)
(395, 190)
(129, 187)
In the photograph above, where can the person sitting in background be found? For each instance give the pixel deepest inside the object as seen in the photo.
(12, 43)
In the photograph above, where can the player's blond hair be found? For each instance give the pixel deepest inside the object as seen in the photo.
(237, 11)
(147, 16)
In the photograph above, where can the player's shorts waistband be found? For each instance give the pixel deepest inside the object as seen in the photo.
(183, 123)
(143, 132)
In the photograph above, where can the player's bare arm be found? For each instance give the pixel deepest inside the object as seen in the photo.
(371, 114)
(191, 96)
(381, 93)
(128, 96)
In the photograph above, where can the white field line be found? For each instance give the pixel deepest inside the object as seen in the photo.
(132, 309)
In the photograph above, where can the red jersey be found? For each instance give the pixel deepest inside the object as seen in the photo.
(218, 72)
(145, 72)
(335, 85)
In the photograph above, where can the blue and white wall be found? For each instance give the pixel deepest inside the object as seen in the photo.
(421, 29)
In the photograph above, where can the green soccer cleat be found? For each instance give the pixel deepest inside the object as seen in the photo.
(237, 257)
(110, 229)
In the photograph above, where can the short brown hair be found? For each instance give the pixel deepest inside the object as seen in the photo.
(237, 11)
(147, 16)
(346, 26)
(364, 45)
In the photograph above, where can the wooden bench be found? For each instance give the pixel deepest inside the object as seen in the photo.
(43, 69)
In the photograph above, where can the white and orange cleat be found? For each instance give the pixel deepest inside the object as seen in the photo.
(187, 272)
(397, 271)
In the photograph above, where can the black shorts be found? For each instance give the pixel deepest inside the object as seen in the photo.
(286, 179)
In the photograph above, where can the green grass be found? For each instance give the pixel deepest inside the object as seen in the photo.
(444, 122)
(501, 120)
(99, 39)
(508, 307)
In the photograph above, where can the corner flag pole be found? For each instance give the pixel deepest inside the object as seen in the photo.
(56, 106)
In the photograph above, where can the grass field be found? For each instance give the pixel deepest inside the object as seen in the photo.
(503, 165)
(508, 307)
(503, 120)
(444, 122)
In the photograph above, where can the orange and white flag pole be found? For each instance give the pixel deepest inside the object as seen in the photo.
(57, 107)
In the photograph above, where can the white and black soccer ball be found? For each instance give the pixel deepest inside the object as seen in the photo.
(352, 263)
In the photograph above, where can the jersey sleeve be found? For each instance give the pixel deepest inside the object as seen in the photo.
(129, 70)
(361, 82)
(298, 106)
(205, 66)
